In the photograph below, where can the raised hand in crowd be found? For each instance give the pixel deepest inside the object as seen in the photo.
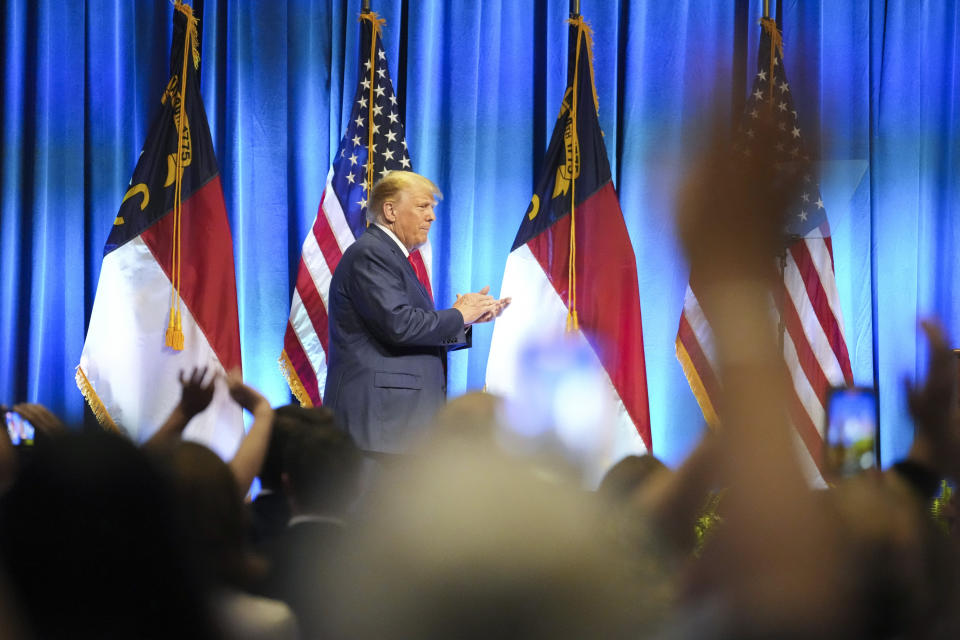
(774, 560)
(196, 394)
(248, 460)
(933, 405)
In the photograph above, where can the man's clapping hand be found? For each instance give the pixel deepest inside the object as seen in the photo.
(480, 306)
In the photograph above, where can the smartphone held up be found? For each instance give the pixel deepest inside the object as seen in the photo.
(19, 429)
(850, 436)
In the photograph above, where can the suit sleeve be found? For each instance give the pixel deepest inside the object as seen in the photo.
(379, 295)
(464, 340)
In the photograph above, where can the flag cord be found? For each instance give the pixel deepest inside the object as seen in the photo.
(572, 322)
(174, 334)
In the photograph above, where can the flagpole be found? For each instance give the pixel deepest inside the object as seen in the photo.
(372, 63)
(782, 253)
(573, 160)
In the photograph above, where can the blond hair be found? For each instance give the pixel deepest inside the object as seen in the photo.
(390, 185)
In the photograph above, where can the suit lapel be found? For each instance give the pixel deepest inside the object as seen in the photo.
(406, 268)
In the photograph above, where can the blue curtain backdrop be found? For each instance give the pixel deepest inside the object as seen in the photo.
(480, 84)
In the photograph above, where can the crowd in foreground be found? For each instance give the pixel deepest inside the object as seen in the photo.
(102, 538)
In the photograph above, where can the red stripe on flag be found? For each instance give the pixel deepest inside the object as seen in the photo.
(708, 376)
(325, 237)
(313, 304)
(805, 355)
(300, 362)
(845, 359)
(821, 305)
(608, 299)
(828, 242)
(208, 285)
(805, 427)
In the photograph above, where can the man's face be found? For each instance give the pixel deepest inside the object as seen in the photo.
(412, 213)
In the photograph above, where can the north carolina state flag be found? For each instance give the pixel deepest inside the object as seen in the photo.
(167, 296)
(601, 288)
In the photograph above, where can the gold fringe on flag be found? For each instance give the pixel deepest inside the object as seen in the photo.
(96, 404)
(696, 386)
(293, 380)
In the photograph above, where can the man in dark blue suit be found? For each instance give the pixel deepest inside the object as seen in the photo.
(386, 375)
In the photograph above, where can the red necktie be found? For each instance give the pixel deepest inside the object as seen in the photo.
(416, 261)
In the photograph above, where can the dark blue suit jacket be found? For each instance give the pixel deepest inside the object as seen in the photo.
(386, 372)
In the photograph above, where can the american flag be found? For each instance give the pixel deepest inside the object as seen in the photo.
(814, 348)
(372, 145)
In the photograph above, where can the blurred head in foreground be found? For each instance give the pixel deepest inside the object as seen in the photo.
(322, 470)
(91, 544)
(623, 479)
(211, 505)
(473, 417)
(475, 545)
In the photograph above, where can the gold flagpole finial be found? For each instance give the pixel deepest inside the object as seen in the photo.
(365, 7)
(574, 8)
(766, 8)
(776, 48)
